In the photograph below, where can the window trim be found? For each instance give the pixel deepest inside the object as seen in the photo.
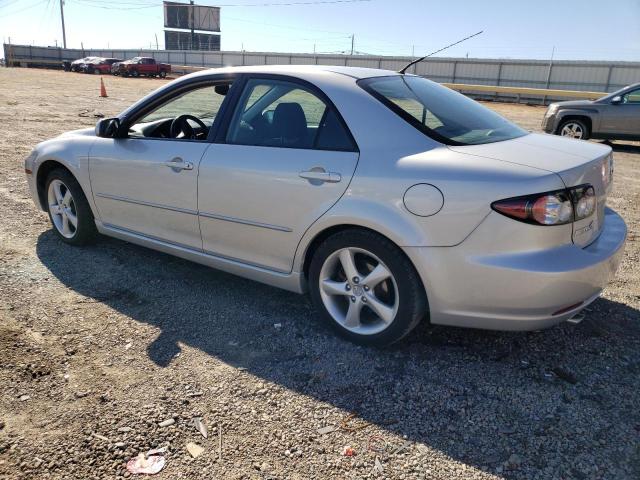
(364, 83)
(313, 89)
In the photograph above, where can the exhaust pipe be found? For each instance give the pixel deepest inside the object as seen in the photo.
(577, 318)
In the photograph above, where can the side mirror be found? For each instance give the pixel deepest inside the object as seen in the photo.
(616, 100)
(107, 127)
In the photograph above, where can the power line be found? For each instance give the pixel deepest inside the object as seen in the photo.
(26, 8)
(140, 6)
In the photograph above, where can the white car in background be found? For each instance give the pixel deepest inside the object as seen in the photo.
(387, 196)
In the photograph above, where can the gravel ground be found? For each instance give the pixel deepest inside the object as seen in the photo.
(100, 345)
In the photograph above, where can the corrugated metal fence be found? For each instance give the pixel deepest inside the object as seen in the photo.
(562, 75)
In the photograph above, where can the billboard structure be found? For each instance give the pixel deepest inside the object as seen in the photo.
(175, 40)
(186, 18)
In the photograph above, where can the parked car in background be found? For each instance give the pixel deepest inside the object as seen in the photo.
(100, 65)
(388, 197)
(614, 116)
(115, 68)
(78, 64)
(142, 66)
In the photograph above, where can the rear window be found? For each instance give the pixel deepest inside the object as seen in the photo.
(444, 115)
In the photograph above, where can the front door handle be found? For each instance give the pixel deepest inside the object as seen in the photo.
(321, 176)
(178, 164)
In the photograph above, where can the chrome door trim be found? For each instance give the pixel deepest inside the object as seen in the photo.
(245, 222)
(146, 204)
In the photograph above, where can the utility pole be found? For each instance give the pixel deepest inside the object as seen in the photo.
(352, 42)
(157, 48)
(193, 35)
(64, 34)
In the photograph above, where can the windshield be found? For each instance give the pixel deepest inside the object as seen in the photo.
(444, 115)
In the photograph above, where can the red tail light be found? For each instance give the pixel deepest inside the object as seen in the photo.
(551, 208)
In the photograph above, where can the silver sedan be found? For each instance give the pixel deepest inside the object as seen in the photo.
(389, 198)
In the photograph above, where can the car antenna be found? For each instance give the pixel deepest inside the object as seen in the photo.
(404, 69)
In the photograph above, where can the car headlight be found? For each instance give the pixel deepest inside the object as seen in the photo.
(553, 108)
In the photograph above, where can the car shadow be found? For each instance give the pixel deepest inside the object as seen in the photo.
(629, 147)
(480, 397)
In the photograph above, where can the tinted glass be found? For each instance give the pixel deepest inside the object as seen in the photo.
(275, 113)
(441, 113)
(332, 135)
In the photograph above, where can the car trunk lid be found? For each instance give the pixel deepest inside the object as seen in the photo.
(576, 162)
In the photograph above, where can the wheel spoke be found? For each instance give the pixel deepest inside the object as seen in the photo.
(348, 264)
(383, 311)
(331, 287)
(352, 319)
(57, 192)
(377, 275)
(65, 225)
(67, 198)
(72, 219)
(54, 209)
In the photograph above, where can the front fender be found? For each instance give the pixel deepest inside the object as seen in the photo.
(591, 114)
(71, 150)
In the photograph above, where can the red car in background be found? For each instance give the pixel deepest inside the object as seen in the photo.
(99, 65)
(139, 66)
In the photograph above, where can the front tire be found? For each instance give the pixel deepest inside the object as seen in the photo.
(68, 209)
(366, 288)
(573, 128)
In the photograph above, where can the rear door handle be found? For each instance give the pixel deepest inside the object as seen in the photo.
(321, 176)
(179, 164)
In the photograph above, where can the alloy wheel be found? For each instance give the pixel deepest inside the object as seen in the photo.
(359, 291)
(62, 207)
(572, 130)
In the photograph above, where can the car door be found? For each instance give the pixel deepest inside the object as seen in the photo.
(623, 117)
(284, 159)
(147, 182)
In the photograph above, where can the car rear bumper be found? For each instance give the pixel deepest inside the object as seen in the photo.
(525, 290)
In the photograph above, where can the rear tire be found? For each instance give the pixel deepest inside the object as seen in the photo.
(68, 209)
(574, 128)
(377, 299)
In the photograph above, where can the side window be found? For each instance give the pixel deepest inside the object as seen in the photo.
(273, 113)
(187, 116)
(631, 97)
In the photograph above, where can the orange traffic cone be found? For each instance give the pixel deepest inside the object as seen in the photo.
(103, 91)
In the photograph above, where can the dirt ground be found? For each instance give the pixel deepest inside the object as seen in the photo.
(100, 345)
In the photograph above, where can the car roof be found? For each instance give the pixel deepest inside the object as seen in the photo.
(296, 70)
